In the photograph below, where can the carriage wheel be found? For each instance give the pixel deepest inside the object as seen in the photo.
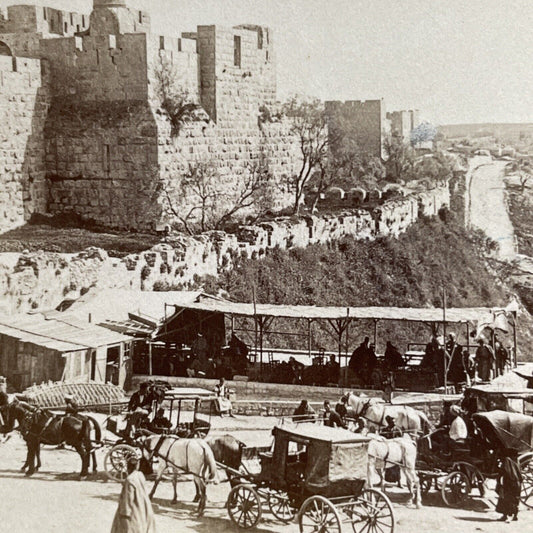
(526, 466)
(116, 461)
(426, 482)
(372, 513)
(475, 477)
(280, 506)
(455, 488)
(244, 506)
(319, 515)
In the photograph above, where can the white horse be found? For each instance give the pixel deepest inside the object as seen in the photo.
(385, 453)
(182, 456)
(375, 410)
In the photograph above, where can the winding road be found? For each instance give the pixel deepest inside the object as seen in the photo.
(488, 207)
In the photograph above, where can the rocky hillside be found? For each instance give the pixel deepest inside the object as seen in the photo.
(408, 271)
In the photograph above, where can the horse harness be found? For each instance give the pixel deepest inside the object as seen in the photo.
(155, 453)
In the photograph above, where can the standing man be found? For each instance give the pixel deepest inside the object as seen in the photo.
(333, 370)
(502, 356)
(135, 513)
(484, 360)
(456, 370)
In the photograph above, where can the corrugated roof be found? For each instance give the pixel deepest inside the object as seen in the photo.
(116, 305)
(453, 315)
(61, 335)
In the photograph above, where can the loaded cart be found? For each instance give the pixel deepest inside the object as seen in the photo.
(317, 473)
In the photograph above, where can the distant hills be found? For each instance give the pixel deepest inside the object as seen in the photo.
(508, 131)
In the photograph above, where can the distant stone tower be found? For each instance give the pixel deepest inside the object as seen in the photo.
(114, 17)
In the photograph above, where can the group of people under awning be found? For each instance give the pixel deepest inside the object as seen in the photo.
(459, 366)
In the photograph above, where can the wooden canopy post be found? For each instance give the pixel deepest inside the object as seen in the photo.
(444, 340)
(375, 333)
(149, 358)
(309, 336)
(515, 355)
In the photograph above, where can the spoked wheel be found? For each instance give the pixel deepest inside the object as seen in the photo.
(244, 506)
(475, 477)
(280, 506)
(319, 515)
(426, 482)
(372, 513)
(455, 489)
(116, 461)
(526, 466)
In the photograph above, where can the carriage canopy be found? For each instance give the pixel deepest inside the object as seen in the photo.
(507, 431)
(331, 455)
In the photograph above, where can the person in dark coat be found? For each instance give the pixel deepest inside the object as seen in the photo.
(508, 487)
(160, 423)
(456, 369)
(332, 418)
(333, 370)
(501, 355)
(359, 356)
(484, 360)
(393, 357)
(140, 399)
(304, 412)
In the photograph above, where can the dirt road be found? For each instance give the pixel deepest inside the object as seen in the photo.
(54, 501)
(488, 208)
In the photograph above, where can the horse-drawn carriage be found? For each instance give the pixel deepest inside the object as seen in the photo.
(466, 467)
(319, 473)
(129, 438)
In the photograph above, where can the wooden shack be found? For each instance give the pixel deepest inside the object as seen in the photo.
(34, 349)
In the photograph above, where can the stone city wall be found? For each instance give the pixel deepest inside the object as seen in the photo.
(23, 109)
(31, 281)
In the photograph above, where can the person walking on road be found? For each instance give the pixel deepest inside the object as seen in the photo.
(508, 487)
(134, 513)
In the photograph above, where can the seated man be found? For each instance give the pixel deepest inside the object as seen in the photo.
(341, 407)
(160, 424)
(360, 426)
(446, 439)
(304, 412)
(71, 406)
(222, 402)
(332, 418)
(391, 431)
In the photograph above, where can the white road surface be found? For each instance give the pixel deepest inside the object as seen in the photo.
(488, 207)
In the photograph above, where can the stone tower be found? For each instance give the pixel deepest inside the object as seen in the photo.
(114, 17)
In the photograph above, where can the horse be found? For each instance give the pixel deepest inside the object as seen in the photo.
(186, 456)
(228, 452)
(400, 451)
(39, 426)
(374, 410)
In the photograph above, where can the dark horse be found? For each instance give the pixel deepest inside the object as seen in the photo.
(228, 452)
(39, 426)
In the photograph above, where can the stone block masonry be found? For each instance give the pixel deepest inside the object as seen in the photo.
(43, 280)
(23, 109)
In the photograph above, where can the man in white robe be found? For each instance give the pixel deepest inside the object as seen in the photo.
(134, 513)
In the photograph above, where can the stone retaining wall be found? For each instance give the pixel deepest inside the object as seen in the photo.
(42, 280)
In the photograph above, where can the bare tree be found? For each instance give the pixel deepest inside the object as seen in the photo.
(210, 205)
(309, 126)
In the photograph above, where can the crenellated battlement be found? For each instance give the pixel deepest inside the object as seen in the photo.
(109, 139)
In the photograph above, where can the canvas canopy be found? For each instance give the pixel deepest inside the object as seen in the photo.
(453, 315)
(507, 431)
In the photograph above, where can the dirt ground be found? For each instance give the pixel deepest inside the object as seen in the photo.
(54, 501)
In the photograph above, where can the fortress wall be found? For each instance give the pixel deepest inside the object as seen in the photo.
(42, 280)
(23, 109)
(99, 68)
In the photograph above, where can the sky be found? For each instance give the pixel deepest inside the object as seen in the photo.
(457, 61)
